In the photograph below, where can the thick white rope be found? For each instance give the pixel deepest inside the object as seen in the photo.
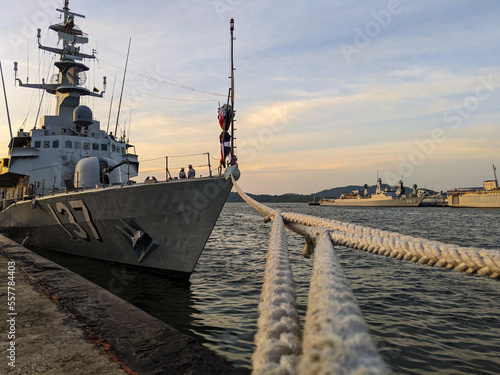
(470, 260)
(278, 338)
(336, 338)
(465, 259)
(263, 209)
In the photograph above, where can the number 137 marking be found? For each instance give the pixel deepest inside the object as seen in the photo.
(77, 231)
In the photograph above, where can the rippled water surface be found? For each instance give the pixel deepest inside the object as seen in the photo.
(422, 319)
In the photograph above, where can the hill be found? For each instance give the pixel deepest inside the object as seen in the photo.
(290, 197)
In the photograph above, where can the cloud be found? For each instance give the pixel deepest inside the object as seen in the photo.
(306, 118)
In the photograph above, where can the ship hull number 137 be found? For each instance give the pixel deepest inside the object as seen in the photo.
(67, 217)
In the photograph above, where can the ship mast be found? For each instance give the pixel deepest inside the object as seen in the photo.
(6, 104)
(231, 28)
(123, 84)
(67, 88)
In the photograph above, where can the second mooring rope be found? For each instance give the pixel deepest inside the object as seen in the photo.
(336, 338)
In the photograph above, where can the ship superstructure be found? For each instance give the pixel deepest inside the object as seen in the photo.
(43, 158)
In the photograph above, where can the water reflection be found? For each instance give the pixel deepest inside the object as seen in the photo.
(166, 299)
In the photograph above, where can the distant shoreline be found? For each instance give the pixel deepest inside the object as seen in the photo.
(302, 198)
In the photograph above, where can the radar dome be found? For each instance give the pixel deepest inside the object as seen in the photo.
(82, 116)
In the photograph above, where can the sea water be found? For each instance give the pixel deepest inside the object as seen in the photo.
(422, 319)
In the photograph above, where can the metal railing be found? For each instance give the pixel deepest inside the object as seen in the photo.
(183, 161)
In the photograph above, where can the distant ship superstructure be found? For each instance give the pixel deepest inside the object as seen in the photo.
(486, 197)
(380, 198)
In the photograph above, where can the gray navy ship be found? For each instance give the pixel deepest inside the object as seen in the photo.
(66, 183)
(380, 198)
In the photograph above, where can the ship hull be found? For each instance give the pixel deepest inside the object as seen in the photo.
(477, 199)
(368, 202)
(162, 226)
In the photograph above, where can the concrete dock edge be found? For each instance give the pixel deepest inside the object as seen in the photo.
(66, 324)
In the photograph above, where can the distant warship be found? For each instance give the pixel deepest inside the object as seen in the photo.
(66, 184)
(381, 198)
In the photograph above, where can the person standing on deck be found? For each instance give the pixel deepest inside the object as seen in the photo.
(182, 174)
(191, 171)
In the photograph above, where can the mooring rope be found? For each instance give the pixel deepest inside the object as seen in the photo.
(262, 208)
(278, 337)
(465, 259)
(470, 260)
(336, 338)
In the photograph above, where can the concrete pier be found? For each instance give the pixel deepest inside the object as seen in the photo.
(56, 322)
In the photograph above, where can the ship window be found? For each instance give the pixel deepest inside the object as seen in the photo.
(55, 144)
(104, 147)
(46, 144)
(20, 142)
(113, 148)
(38, 144)
(68, 144)
(95, 146)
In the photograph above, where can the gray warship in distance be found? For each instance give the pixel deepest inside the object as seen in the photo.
(380, 198)
(65, 185)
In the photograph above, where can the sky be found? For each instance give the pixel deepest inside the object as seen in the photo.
(327, 93)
